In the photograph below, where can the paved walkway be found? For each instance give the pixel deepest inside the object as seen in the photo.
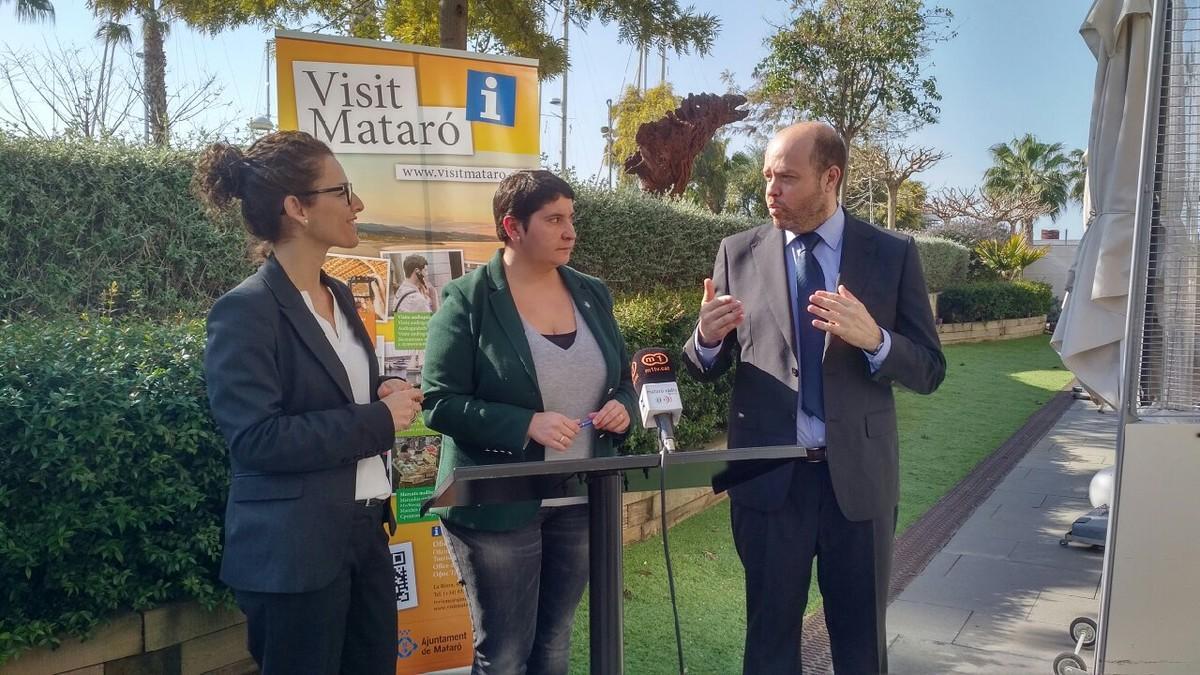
(1000, 596)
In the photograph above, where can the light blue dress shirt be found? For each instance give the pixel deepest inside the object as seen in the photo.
(810, 431)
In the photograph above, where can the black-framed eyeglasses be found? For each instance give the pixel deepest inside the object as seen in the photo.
(346, 189)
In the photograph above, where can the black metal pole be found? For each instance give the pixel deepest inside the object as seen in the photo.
(606, 589)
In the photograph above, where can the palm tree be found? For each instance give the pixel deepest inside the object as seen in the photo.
(1077, 175)
(1026, 166)
(32, 11)
(113, 34)
(155, 17)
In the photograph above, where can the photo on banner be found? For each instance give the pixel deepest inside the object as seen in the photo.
(425, 136)
(369, 280)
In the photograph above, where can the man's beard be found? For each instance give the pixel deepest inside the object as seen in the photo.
(802, 220)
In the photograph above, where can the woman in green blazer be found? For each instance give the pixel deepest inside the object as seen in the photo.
(525, 362)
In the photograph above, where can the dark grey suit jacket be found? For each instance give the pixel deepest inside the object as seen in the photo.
(883, 270)
(282, 399)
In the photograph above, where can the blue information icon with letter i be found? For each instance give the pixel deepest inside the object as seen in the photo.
(491, 98)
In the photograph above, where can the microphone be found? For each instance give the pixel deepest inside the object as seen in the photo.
(659, 402)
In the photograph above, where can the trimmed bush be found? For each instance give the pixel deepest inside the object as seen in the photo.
(944, 261)
(994, 300)
(636, 242)
(79, 221)
(112, 475)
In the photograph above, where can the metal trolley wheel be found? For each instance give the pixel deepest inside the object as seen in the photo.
(1083, 632)
(1069, 663)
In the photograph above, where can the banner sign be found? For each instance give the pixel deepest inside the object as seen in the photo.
(385, 109)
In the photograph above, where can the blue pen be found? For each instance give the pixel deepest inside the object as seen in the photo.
(585, 423)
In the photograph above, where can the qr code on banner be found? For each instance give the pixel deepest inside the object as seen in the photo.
(404, 575)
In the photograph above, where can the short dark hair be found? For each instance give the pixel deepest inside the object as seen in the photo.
(828, 149)
(521, 195)
(413, 263)
(277, 165)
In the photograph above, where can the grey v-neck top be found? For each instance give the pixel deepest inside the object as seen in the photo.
(571, 381)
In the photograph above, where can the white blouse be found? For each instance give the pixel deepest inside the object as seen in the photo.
(372, 478)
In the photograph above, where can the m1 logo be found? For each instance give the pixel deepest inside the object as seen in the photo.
(491, 98)
(655, 359)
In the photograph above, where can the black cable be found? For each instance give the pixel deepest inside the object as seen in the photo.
(662, 500)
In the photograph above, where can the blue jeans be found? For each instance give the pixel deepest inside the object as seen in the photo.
(522, 588)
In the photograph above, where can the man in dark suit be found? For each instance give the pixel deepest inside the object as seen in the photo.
(821, 313)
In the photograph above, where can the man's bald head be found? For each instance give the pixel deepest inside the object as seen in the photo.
(822, 143)
(803, 166)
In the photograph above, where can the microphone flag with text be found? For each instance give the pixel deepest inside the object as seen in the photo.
(659, 403)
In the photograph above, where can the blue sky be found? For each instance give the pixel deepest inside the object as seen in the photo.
(1015, 66)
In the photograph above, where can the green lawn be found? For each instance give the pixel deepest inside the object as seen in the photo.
(989, 392)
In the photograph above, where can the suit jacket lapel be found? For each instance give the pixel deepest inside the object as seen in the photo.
(769, 251)
(507, 316)
(301, 318)
(857, 269)
(858, 257)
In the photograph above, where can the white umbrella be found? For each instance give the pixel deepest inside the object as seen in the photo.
(1091, 329)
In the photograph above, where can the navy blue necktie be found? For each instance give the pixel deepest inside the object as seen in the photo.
(810, 342)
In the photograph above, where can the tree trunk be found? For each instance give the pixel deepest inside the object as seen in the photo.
(154, 85)
(893, 198)
(1028, 231)
(98, 111)
(452, 15)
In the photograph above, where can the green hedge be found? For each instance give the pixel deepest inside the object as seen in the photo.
(77, 218)
(112, 479)
(994, 300)
(944, 261)
(87, 227)
(636, 242)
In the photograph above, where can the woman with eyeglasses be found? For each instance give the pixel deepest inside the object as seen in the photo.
(294, 387)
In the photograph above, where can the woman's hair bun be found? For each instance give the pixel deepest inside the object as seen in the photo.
(221, 174)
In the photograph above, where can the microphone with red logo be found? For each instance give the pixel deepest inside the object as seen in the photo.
(658, 394)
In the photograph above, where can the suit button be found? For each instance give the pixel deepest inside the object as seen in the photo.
(795, 372)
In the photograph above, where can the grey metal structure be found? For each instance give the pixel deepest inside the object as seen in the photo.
(1150, 592)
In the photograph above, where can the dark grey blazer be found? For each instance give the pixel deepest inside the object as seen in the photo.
(883, 270)
(282, 399)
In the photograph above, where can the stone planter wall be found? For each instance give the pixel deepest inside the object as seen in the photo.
(177, 639)
(983, 331)
(643, 510)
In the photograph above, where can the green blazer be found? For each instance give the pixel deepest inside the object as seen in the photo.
(481, 390)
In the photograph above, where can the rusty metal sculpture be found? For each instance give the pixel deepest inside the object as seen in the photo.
(667, 147)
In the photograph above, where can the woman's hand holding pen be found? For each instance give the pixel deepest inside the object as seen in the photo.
(613, 417)
(403, 400)
(556, 431)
